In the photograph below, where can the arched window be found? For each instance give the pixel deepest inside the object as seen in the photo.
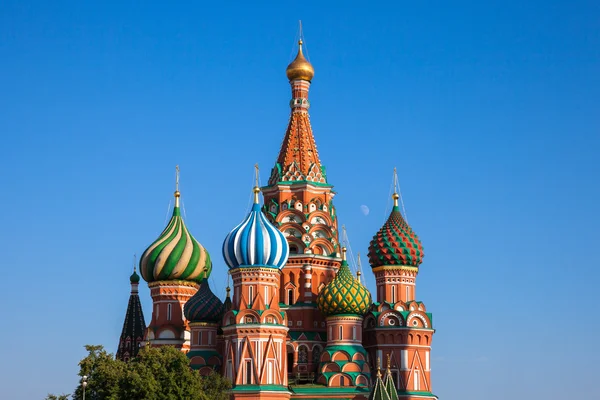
(248, 375)
(417, 383)
(353, 333)
(302, 355)
(341, 332)
(168, 312)
(290, 297)
(407, 291)
(250, 294)
(316, 354)
(393, 294)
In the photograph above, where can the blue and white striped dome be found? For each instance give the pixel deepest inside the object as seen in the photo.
(255, 242)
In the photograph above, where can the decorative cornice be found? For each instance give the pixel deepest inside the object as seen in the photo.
(173, 283)
(396, 268)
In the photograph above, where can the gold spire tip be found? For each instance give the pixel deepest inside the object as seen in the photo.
(344, 253)
(395, 196)
(388, 361)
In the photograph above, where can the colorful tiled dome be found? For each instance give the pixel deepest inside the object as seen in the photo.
(204, 306)
(255, 242)
(395, 243)
(344, 294)
(175, 255)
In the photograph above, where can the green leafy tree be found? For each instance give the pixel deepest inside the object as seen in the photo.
(51, 396)
(156, 374)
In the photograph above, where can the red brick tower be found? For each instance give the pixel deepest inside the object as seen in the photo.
(298, 200)
(174, 265)
(254, 329)
(397, 326)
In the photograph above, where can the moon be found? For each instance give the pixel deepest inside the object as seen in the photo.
(364, 209)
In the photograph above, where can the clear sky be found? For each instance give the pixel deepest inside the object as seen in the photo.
(490, 111)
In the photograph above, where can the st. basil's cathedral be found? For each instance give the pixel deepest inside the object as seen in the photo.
(299, 324)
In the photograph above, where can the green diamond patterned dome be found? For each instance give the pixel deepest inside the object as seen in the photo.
(176, 254)
(395, 243)
(344, 294)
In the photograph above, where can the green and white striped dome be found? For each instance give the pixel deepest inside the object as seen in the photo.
(175, 255)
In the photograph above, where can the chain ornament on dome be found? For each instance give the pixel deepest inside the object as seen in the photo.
(346, 243)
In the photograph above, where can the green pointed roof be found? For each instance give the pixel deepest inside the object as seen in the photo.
(390, 386)
(379, 391)
(176, 254)
(344, 294)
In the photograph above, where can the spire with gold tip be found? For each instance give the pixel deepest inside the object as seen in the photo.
(379, 392)
(395, 243)
(300, 68)
(390, 386)
(176, 254)
(344, 294)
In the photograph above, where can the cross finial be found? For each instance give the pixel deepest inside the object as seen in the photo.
(358, 266)
(388, 362)
(177, 178)
(378, 367)
(256, 175)
(256, 189)
(300, 30)
(395, 196)
(134, 261)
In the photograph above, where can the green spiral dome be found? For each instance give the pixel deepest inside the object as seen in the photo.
(176, 254)
(344, 295)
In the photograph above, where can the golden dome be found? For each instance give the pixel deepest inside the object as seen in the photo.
(300, 68)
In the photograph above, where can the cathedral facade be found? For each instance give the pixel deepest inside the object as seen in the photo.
(297, 324)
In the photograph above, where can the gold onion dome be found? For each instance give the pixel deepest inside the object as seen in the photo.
(344, 294)
(176, 254)
(300, 68)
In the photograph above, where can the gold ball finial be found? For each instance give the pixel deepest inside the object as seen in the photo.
(344, 253)
(177, 194)
(300, 68)
(395, 196)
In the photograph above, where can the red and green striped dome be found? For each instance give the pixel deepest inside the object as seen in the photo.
(175, 255)
(395, 243)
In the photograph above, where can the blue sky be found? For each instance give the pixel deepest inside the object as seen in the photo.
(489, 110)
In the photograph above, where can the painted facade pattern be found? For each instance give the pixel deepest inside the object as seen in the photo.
(298, 324)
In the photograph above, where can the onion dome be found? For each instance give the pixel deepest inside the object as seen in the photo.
(395, 243)
(300, 68)
(255, 242)
(175, 255)
(344, 294)
(134, 278)
(204, 306)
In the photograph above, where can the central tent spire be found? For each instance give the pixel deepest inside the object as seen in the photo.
(298, 159)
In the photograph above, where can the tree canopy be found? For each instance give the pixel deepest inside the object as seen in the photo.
(162, 373)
